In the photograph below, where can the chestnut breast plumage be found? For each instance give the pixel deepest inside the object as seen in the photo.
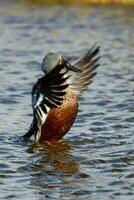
(61, 119)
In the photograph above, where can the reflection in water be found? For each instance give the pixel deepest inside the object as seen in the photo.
(53, 164)
(57, 155)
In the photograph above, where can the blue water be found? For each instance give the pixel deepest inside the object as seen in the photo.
(95, 160)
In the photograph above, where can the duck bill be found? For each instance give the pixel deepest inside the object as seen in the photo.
(72, 67)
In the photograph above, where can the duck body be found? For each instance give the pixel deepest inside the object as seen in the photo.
(61, 119)
(55, 95)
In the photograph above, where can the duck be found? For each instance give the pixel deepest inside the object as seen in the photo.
(55, 95)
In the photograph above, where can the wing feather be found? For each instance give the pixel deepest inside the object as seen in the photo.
(47, 93)
(87, 64)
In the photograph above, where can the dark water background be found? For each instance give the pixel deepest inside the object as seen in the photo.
(96, 158)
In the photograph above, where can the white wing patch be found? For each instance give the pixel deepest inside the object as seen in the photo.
(40, 114)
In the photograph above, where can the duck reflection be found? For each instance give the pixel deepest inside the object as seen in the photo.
(57, 154)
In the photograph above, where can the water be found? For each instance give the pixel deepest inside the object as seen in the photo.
(96, 158)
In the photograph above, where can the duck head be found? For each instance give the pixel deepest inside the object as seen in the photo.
(53, 60)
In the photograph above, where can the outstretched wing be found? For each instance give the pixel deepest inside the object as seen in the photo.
(47, 93)
(87, 64)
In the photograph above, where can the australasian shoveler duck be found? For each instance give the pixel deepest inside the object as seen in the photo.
(55, 95)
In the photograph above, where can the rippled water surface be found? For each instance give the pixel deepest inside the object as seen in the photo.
(96, 158)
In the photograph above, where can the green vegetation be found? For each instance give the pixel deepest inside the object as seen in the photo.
(80, 2)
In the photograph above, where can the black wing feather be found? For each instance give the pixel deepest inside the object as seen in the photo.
(87, 64)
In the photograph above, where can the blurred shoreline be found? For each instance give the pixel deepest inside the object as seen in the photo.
(81, 2)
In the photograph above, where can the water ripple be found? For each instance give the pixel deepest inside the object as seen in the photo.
(95, 159)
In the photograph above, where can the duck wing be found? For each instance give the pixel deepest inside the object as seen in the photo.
(47, 93)
(87, 64)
